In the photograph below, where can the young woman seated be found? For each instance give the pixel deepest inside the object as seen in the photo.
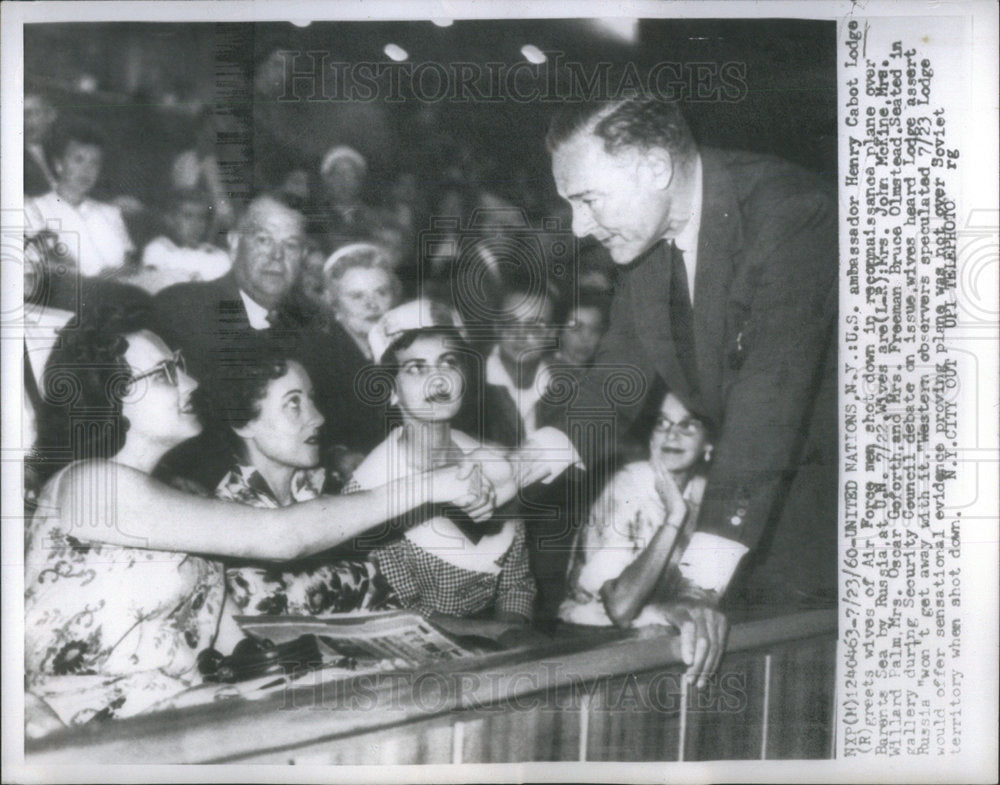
(439, 563)
(624, 569)
(123, 586)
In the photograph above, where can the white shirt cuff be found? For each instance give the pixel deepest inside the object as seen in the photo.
(710, 561)
(554, 447)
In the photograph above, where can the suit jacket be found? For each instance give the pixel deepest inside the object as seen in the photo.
(765, 307)
(207, 320)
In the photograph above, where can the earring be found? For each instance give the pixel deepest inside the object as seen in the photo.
(708, 453)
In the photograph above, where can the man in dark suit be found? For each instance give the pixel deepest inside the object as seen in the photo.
(728, 293)
(211, 322)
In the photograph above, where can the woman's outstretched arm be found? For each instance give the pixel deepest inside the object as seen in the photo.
(102, 501)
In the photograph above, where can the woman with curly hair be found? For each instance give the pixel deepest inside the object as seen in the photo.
(267, 404)
(121, 592)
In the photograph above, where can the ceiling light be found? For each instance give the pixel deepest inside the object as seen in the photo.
(396, 53)
(533, 54)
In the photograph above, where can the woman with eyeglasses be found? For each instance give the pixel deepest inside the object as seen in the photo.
(122, 589)
(624, 566)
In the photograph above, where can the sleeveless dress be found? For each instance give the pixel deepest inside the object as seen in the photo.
(111, 631)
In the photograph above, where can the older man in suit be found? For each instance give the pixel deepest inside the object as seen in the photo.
(728, 293)
(211, 321)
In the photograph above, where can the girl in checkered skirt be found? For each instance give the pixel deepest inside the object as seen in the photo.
(435, 558)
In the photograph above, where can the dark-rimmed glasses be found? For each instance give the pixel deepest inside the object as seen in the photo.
(168, 369)
(689, 426)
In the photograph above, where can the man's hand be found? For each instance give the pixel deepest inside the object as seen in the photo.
(479, 499)
(703, 636)
(543, 457)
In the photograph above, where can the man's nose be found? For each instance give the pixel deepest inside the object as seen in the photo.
(583, 222)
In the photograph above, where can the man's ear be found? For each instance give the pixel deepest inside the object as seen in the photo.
(233, 240)
(658, 165)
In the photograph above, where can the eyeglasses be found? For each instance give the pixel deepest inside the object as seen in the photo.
(168, 369)
(689, 426)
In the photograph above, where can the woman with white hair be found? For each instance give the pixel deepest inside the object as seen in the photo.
(359, 286)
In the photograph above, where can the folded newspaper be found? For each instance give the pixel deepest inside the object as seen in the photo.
(402, 636)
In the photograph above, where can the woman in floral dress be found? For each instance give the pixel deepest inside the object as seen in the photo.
(119, 594)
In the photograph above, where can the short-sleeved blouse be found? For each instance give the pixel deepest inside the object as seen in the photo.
(109, 631)
(621, 524)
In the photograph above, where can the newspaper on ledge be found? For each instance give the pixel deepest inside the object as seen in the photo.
(404, 637)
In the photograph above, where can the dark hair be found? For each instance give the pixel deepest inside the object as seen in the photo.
(390, 358)
(72, 131)
(644, 424)
(588, 299)
(231, 394)
(522, 287)
(642, 122)
(84, 382)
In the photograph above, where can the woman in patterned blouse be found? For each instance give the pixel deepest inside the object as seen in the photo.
(268, 405)
(117, 603)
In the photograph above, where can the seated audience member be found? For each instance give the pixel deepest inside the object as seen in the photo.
(312, 282)
(39, 115)
(345, 215)
(517, 368)
(182, 254)
(441, 565)
(582, 331)
(267, 402)
(521, 384)
(90, 236)
(359, 288)
(213, 322)
(123, 592)
(295, 189)
(628, 559)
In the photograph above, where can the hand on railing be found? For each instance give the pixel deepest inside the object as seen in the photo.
(703, 630)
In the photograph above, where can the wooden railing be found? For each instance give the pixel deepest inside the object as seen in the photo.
(601, 696)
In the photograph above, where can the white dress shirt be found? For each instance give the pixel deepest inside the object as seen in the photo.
(256, 313)
(93, 233)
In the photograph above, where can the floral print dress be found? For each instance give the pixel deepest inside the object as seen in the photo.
(111, 631)
(311, 586)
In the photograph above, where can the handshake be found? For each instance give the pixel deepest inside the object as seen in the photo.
(490, 477)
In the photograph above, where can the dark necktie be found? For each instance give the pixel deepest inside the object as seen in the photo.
(681, 316)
